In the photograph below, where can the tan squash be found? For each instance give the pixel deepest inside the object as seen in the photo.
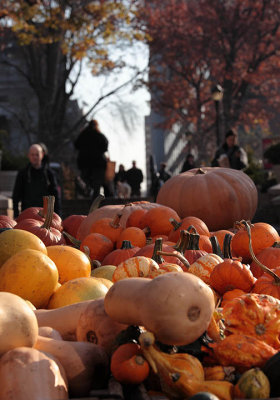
(86, 364)
(18, 323)
(95, 326)
(49, 332)
(63, 319)
(176, 307)
(29, 374)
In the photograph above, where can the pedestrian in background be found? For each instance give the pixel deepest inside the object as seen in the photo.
(92, 145)
(34, 182)
(122, 188)
(189, 163)
(164, 175)
(230, 154)
(134, 177)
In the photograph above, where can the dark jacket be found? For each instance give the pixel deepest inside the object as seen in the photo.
(92, 146)
(236, 156)
(31, 185)
(134, 177)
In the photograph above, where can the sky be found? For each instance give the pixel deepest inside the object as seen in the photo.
(125, 145)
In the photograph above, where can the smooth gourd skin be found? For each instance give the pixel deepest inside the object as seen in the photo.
(176, 307)
(26, 373)
(18, 323)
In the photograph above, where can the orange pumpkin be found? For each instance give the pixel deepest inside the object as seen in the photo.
(158, 220)
(118, 255)
(204, 266)
(242, 351)
(254, 315)
(270, 257)
(135, 235)
(263, 235)
(231, 274)
(200, 227)
(99, 246)
(220, 235)
(128, 364)
(135, 218)
(268, 284)
(110, 211)
(109, 227)
(231, 193)
(139, 266)
(230, 295)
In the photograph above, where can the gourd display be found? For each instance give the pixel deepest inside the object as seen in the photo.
(231, 193)
(176, 307)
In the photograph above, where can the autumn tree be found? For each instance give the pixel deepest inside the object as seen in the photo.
(54, 38)
(196, 44)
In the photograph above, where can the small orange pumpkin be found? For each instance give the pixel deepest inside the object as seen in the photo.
(128, 364)
(99, 246)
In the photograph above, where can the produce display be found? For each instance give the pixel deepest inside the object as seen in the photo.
(151, 295)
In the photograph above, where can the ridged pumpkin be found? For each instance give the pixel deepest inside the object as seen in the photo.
(31, 275)
(231, 193)
(71, 263)
(254, 315)
(119, 255)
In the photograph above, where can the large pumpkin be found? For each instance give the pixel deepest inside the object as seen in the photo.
(218, 196)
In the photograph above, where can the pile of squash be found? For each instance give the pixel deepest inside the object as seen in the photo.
(141, 294)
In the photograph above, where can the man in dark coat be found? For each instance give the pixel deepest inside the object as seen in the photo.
(92, 146)
(34, 182)
(134, 178)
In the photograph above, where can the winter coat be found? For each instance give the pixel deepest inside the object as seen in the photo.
(32, 185)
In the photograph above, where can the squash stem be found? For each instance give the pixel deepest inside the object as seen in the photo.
(263, 267)
(96, 203)
(178, 255)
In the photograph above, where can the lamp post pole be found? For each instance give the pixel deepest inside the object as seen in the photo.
(217, 96)
(217, 108)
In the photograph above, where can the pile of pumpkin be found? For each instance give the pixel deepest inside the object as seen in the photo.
(141, 293)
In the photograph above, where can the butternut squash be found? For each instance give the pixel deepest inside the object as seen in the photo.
(95, 326)
(18, 324)
(26, 373)
(86, 364)
(176, 307)
(49, 332)
(63, 319)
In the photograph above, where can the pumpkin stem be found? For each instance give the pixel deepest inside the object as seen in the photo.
(216, 249)
(263, 267)
(115, 223)
(276, 245)
(96, 203)
(44, 210)
(49, 216)
(178, 255)
(227, 242)
(126, 244)
(94, 263)
(73, 240)
(183, 242)
(192, 229)
(156, 255)
(175, 224)
(200, 171)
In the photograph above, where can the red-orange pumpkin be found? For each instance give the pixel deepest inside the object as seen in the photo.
(231, 193)
(119, 255)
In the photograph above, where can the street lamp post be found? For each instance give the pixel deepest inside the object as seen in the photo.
(217, 96)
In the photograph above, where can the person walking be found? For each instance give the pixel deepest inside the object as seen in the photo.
(134, 177)
(34, 182)
(92, 145)
(189, 163)
(122, 188)
(230, 154)
(164, 175)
